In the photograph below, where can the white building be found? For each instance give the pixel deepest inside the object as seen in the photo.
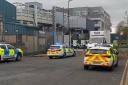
(97, 19)
(33, 14)
(61, 18)
(78, 22)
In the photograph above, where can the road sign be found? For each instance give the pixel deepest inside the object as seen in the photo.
(83, 42)
(97, 34)
(75, 42)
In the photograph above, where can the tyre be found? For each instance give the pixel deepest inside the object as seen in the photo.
(111, 67)
(0, 59)
(50, 57)
(86, 67)
(116, 65)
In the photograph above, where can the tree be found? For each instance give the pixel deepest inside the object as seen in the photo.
(122, 30)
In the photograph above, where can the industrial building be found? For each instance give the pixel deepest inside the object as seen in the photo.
(97, 19)
(29, 38)
(32, 14)
(82, 20)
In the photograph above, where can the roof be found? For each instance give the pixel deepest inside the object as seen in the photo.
(4, 44)
(57, 45)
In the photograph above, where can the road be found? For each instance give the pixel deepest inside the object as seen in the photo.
(68, 71)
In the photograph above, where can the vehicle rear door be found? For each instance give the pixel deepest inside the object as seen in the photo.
(67, 51)
(11, 50)
(4, 51)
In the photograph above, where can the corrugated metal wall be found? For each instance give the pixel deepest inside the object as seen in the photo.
(8, 11)
(17, 34)
(11, 29)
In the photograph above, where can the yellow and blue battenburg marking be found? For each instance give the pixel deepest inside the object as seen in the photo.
(9, 52)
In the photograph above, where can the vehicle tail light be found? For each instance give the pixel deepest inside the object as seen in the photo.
(49, 49)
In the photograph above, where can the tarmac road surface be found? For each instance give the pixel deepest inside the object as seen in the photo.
(67, 71)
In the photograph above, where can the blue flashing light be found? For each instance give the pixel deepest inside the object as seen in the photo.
(58, 43)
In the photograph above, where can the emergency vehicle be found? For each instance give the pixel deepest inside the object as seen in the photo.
(9, 52)
(60, 51)
(100, 56)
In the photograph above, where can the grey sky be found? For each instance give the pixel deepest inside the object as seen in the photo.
(116, 8)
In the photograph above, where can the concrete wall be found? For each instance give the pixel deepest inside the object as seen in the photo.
(10, 38)
(29, 44)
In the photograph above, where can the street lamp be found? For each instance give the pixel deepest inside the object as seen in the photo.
(69, 23)
(17, 36)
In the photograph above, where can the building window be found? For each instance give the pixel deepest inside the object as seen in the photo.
(31, 6)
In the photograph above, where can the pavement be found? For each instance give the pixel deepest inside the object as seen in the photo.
(124, 80)
(40, 55)
(67, 71)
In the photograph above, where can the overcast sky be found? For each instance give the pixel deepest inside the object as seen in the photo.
(116, 8)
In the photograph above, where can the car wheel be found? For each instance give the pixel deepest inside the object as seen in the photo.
(116, 65)
(0, 59)
(50, 57)
(111, 67)
(86, 67)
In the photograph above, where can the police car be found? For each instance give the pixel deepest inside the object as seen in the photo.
(90, 45)
(100, 56)
(9, 52)
(60, 51)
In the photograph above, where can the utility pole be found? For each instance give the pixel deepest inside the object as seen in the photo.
(54, 24)
(69, 23)
(63, 26)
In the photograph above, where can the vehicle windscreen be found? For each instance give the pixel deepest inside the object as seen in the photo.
(107, 45)
(98, 51)
(54, 47)
(3, 46)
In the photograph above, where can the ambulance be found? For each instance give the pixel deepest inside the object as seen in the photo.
(100, 57)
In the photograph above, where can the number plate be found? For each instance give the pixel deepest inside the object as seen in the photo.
(97, 62)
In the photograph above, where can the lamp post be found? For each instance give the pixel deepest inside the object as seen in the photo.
(54, 25)
(17, 36)
(69, 23)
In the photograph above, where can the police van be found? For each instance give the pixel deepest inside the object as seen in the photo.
(101, 57)
(9, 52)
(60, 51)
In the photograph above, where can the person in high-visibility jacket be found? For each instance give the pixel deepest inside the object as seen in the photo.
(9, 52)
